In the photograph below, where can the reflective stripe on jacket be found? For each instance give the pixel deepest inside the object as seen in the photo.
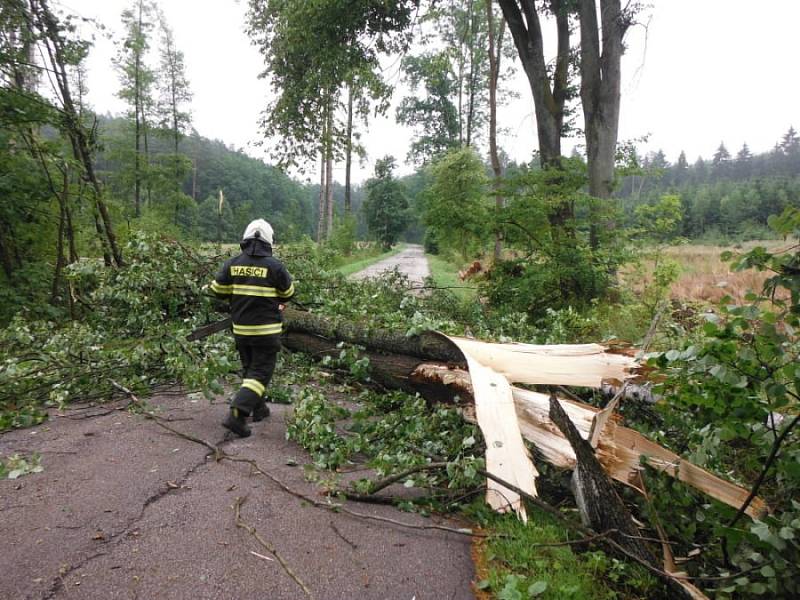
(257, 283)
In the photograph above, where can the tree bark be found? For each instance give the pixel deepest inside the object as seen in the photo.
(495, 53)
(549, 97)
(471, 81)
(329, 175)
(601, 77)
(79, 139)
(349, 151)
(322, 196)
(63, 198)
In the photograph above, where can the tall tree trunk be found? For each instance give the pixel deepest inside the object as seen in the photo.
(549, 98)
(601, 76)
(76, 131)
(495, 53)
(137, 103)
(101, 236)
(63, 198)
(349, 151)
(73, 249)
(329, 172)
(323, 189)
(471, 81)
(548, 101)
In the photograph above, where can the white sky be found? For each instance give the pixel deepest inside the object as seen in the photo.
(705, 71)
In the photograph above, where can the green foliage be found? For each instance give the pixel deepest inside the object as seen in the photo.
(393, 431)
(566, 255)
(386, 206)
(528, 560)
(456, 204)
(433, 114)
(133, 333)
(343, 238)
(312, 50)
(733, 399)
(16, 466)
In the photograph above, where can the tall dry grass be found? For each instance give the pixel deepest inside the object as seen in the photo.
(704, 277)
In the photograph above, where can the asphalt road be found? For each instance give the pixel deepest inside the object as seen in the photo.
(125, 509)
(411, 261)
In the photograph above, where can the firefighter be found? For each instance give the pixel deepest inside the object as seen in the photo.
(258, 286)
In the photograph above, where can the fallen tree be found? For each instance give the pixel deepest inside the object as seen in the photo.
(435, 366)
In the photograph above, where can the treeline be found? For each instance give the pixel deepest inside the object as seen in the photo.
(725, 196)
(250, 188)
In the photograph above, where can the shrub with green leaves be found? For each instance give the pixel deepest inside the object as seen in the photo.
(733, 404)
(132, 330)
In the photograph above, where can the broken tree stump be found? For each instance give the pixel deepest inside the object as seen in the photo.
(600, 506)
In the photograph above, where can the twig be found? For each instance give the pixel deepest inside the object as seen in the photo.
(591, 536)
(776, 445)
(269, 547)
(220, 455)
(353, 545)
(387, 481)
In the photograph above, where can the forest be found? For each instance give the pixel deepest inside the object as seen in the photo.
(112, 227)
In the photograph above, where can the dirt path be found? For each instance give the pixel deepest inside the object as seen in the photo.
(125, 509)
(411, 261)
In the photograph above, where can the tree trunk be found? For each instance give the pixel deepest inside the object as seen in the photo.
(137, 102)
(322, 196)
(600, 506)
(601, 76)
(349, 151)
(549, 98)
(76, 131)
(548, 101)
(63, 198)
(101, 237)
(471, 81)
(495, 53)
(329, 175)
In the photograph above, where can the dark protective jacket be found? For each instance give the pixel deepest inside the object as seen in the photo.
(257, 284)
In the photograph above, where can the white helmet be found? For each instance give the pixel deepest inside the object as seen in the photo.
(258, 229)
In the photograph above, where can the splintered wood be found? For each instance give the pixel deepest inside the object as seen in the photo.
(507, 414)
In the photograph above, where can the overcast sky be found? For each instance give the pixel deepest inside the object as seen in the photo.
(702, 72)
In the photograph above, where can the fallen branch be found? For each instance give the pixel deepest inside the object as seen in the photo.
(220, 455)
(269, 547)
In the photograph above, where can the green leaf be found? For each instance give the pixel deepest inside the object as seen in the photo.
(537, 589)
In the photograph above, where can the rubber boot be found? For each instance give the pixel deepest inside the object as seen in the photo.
(261, 412)
(235, 422)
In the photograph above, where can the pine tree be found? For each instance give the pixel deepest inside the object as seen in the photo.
(136, 80)
(174, 94)
(744, 162)
(681, 169)
(791, 142)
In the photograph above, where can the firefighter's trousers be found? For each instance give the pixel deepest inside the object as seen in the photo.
(259, 355)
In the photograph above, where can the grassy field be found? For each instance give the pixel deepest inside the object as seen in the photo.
(703, 276)
(364, 258)
(445, 275)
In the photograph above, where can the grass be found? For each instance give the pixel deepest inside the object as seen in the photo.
(363, 258)
(445, 275)
(522, 562)
(704, 277)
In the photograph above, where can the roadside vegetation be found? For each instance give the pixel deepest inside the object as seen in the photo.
(111, 228)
